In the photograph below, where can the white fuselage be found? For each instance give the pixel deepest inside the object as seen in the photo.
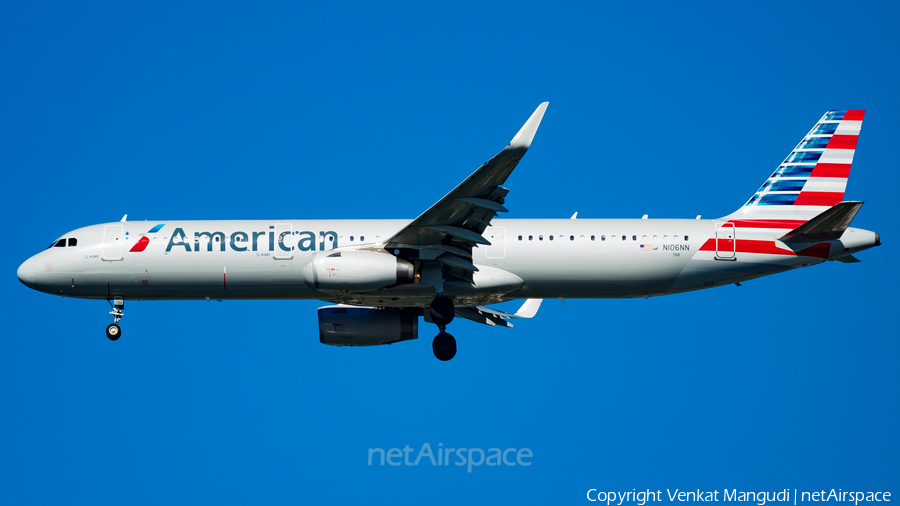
(554, 258)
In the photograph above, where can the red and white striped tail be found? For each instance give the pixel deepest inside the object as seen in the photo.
(813, 177)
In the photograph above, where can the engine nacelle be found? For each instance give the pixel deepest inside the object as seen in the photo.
(366, 326)
(356, 271)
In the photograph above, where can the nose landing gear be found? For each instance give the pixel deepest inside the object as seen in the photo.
(442, 313)
(113, 331)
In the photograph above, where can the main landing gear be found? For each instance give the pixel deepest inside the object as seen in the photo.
(442, 312)
(113, 331)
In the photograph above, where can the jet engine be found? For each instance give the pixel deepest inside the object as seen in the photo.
(366, 326)
(356, 271)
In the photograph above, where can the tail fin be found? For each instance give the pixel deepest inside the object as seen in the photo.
(813, 177)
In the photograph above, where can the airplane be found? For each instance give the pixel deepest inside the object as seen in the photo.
(456, 258)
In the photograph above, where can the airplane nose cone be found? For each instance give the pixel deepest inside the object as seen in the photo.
(26, 272)
(877, 239)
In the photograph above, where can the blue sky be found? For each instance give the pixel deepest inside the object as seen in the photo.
(215, 111)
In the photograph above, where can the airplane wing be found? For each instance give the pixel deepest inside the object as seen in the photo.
(452, 226)
(492, 317)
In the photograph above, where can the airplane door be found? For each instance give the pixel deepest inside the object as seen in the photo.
(112, 242)
(284, 235)
(497, 238)
(726, 241)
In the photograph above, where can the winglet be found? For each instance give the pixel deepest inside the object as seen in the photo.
(526, 133)
(529, 308)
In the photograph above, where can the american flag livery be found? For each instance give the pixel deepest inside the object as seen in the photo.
(814, 175)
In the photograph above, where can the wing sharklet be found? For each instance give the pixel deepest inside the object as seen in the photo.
(525, 135)
(529, 308)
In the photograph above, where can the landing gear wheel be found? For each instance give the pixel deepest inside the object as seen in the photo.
(444, 346)
(441, 310)
(113, 332)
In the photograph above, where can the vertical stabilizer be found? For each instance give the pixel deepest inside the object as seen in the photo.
(813, 177)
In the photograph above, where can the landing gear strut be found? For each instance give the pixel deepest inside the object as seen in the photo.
(113, 331)
(442, 312)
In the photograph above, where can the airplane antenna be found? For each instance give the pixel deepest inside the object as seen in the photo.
(124, 218)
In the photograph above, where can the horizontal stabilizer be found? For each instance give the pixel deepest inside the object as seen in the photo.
(827, 226)
(847, 259)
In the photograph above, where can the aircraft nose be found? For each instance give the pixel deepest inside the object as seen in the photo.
(26, 272)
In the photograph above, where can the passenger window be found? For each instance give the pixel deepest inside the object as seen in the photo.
(644, 237)
(362, 238)
(60, 243)
(551, 237)
(634, 238)
(592, 238)
(351, 238)
(655, 237)
(685, 238)
(582, 238)
(73, 241)
(665, 238)
(675, 237)
(571, 237)
(520, 237)
(540, 238)
(530, 237)
(602, 237)
(623, 237)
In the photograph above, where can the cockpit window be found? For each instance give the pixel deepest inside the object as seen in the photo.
(60, 243)
(73, 242)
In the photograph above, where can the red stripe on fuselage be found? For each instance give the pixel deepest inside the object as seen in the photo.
(842, 142)
(818, 198)
(786, 224)
(831, 170)
(820, 250)
(141, 245)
